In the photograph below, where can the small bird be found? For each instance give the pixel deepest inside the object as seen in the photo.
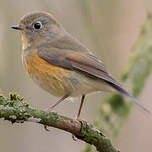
(61, 64)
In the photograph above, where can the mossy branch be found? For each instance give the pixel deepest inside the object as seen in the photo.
(114, 110)
(15, 110)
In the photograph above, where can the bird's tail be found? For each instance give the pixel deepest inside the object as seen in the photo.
(121, 90)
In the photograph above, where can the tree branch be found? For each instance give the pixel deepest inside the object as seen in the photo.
(15, 110)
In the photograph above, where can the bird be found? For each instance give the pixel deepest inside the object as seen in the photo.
(60, 64)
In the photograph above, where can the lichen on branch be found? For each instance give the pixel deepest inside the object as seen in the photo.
(16, 110)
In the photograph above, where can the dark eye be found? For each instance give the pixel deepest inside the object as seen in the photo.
(38, 25)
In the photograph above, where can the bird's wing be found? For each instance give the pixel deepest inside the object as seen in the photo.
(87, 63)
(84, 62)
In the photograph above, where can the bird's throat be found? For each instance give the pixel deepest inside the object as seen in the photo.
(25, 42)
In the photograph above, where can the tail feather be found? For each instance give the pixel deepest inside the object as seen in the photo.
(120, 89)
(133, 99)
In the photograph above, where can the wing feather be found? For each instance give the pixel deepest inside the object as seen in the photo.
(84, 62)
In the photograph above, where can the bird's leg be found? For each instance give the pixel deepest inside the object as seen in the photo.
(80, 108)
(49, 109)
(78, 115)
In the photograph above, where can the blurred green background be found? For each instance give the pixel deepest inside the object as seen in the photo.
(109, 28)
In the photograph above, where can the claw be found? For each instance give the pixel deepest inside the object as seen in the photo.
(49, 109)
(81, 121)
(46, 128)
(74, 138)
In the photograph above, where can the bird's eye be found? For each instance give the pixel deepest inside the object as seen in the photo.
(37, 25)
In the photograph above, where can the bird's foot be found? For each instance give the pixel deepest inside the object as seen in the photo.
(46, 128)
(48, 110)
(82, 122)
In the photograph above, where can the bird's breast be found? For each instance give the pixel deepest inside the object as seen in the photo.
(50, 77)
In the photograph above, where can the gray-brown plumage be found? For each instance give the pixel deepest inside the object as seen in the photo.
(78, 71)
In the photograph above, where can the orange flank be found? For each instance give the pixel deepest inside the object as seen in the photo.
(48, 76)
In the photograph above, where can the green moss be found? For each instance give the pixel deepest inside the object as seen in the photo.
(15, 96)
(26, 103)
(116, 102)
(10, 102)
(88, 148)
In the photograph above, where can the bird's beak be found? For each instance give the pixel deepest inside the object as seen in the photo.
(17, 27)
